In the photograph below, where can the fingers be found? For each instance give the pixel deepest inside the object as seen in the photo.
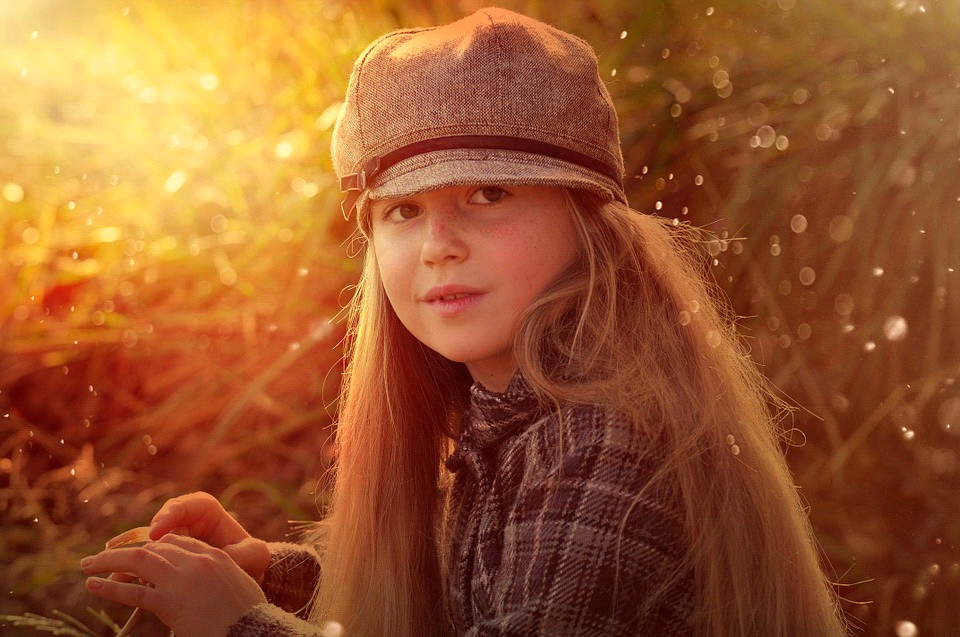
(148, 563)
(196, 514)
(184, 542)
(192, 587)
(124, 578)
(151, 562)
(142, 562)
(252, 555)
(125, 593)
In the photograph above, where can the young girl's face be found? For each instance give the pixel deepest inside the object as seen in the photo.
(461, 264)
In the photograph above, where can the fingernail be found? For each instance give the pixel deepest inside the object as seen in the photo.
(94, 583)
(85, 562)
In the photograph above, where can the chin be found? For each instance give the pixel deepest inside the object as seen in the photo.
(457, 356)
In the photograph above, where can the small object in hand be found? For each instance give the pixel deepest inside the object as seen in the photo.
(139, 535)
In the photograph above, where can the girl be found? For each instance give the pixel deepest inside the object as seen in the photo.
(547, 427)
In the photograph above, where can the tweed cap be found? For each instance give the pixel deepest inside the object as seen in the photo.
(493, 98)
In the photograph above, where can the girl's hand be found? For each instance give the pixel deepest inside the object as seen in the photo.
(194, 588)
(201, 516)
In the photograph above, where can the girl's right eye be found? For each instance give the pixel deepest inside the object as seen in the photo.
(401, 212)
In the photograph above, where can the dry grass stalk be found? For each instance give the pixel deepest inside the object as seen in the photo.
(139, 535)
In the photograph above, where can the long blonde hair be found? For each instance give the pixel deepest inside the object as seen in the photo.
(632, 326)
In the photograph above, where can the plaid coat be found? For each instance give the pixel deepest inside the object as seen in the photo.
(546, 532)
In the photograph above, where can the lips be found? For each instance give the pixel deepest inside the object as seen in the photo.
(449, 293)
(452, 300)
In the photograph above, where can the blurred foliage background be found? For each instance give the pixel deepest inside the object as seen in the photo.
(174, 261)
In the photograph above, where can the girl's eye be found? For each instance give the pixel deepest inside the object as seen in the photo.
(488, 195)
(402, 212)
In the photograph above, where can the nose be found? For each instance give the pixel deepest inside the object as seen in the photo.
(443, 237)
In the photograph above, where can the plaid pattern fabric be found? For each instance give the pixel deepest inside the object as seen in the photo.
(545, 534)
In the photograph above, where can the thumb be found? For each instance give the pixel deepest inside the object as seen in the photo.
(252, 555)
(172, 518)
(198, 515)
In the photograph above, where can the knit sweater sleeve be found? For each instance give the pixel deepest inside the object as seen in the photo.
(288, 583)
(291, 576)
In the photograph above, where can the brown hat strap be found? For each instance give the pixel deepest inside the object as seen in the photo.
(354, 185)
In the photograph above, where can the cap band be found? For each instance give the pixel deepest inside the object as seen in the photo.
(354, 184)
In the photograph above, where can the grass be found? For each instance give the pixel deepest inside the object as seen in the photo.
(173, 265)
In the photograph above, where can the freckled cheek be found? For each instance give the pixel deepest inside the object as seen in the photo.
(542, 260)
(522, 257)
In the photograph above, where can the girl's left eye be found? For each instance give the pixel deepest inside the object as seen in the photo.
(488, 195)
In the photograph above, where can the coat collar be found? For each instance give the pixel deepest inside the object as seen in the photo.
(495, 416)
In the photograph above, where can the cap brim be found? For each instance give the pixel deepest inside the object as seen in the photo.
(459, 167)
